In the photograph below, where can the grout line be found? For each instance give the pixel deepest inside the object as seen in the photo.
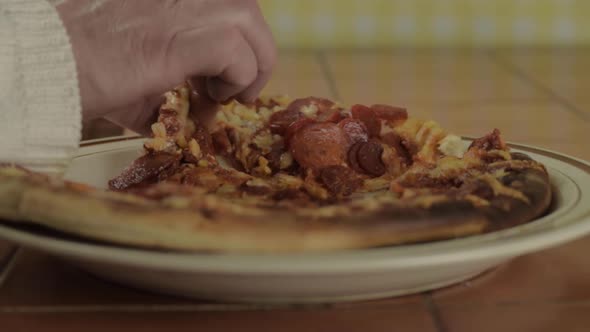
(434, 312)
(538, 85)
(328, 75)
(427, 300)
(139, 308)
(7, 264)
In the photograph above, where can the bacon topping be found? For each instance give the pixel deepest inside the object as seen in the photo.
(491, 141)
(318, 145)
(202, 136)
(171, 123)
(340, 180)
(390, 113)
(144, 170)
(368, 117)
(395, 141)
(221, 142)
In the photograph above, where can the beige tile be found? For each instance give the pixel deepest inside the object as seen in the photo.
(560, 274)
(532, 122)
(510, 318)
(564, 71)
(298, 74)
(399, 318)
(402, 78)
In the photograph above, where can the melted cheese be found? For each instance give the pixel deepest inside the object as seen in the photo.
(195, 149)
(309, 111)
(452, 145)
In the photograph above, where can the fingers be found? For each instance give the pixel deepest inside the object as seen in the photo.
(260, 38)
(239, 52)
(237, 75)
(138, 117)
(203, 109)
(220, 53)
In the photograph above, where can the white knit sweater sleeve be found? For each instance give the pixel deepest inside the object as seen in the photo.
(40, 115)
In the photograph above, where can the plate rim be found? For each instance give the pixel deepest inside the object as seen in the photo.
(354, 260)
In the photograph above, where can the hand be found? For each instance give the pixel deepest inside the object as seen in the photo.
(128, 52)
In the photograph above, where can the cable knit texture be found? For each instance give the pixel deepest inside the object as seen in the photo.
(40, 115)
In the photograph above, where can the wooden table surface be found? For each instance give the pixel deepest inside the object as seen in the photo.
(535, 96)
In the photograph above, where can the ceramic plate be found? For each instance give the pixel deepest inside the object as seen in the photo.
(325, 277)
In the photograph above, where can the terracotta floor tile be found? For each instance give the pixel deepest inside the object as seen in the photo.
(440, 76)
(398, 318)
(511, 318)
(37, 280)
(559, 274)
(6, 253)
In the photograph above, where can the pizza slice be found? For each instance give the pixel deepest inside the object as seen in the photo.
(285, 175)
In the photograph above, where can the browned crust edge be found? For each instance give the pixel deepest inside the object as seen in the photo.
(210, 226)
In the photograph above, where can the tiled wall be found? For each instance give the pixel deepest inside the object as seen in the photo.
(416, 23)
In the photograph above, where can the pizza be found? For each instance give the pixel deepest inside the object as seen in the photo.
(284, 175)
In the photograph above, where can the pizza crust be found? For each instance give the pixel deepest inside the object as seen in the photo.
(202, 222)
(290, 176)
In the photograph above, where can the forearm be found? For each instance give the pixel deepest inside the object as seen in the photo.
(40, 116)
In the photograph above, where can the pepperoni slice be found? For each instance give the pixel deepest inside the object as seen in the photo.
(353, 159)
(368, 117)
(369, 158)
(318, 145)
(340, 180)
(281, 120)
(144, 169)
(390, 113)
(355, 130)
(491, 141)
(295, 127)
